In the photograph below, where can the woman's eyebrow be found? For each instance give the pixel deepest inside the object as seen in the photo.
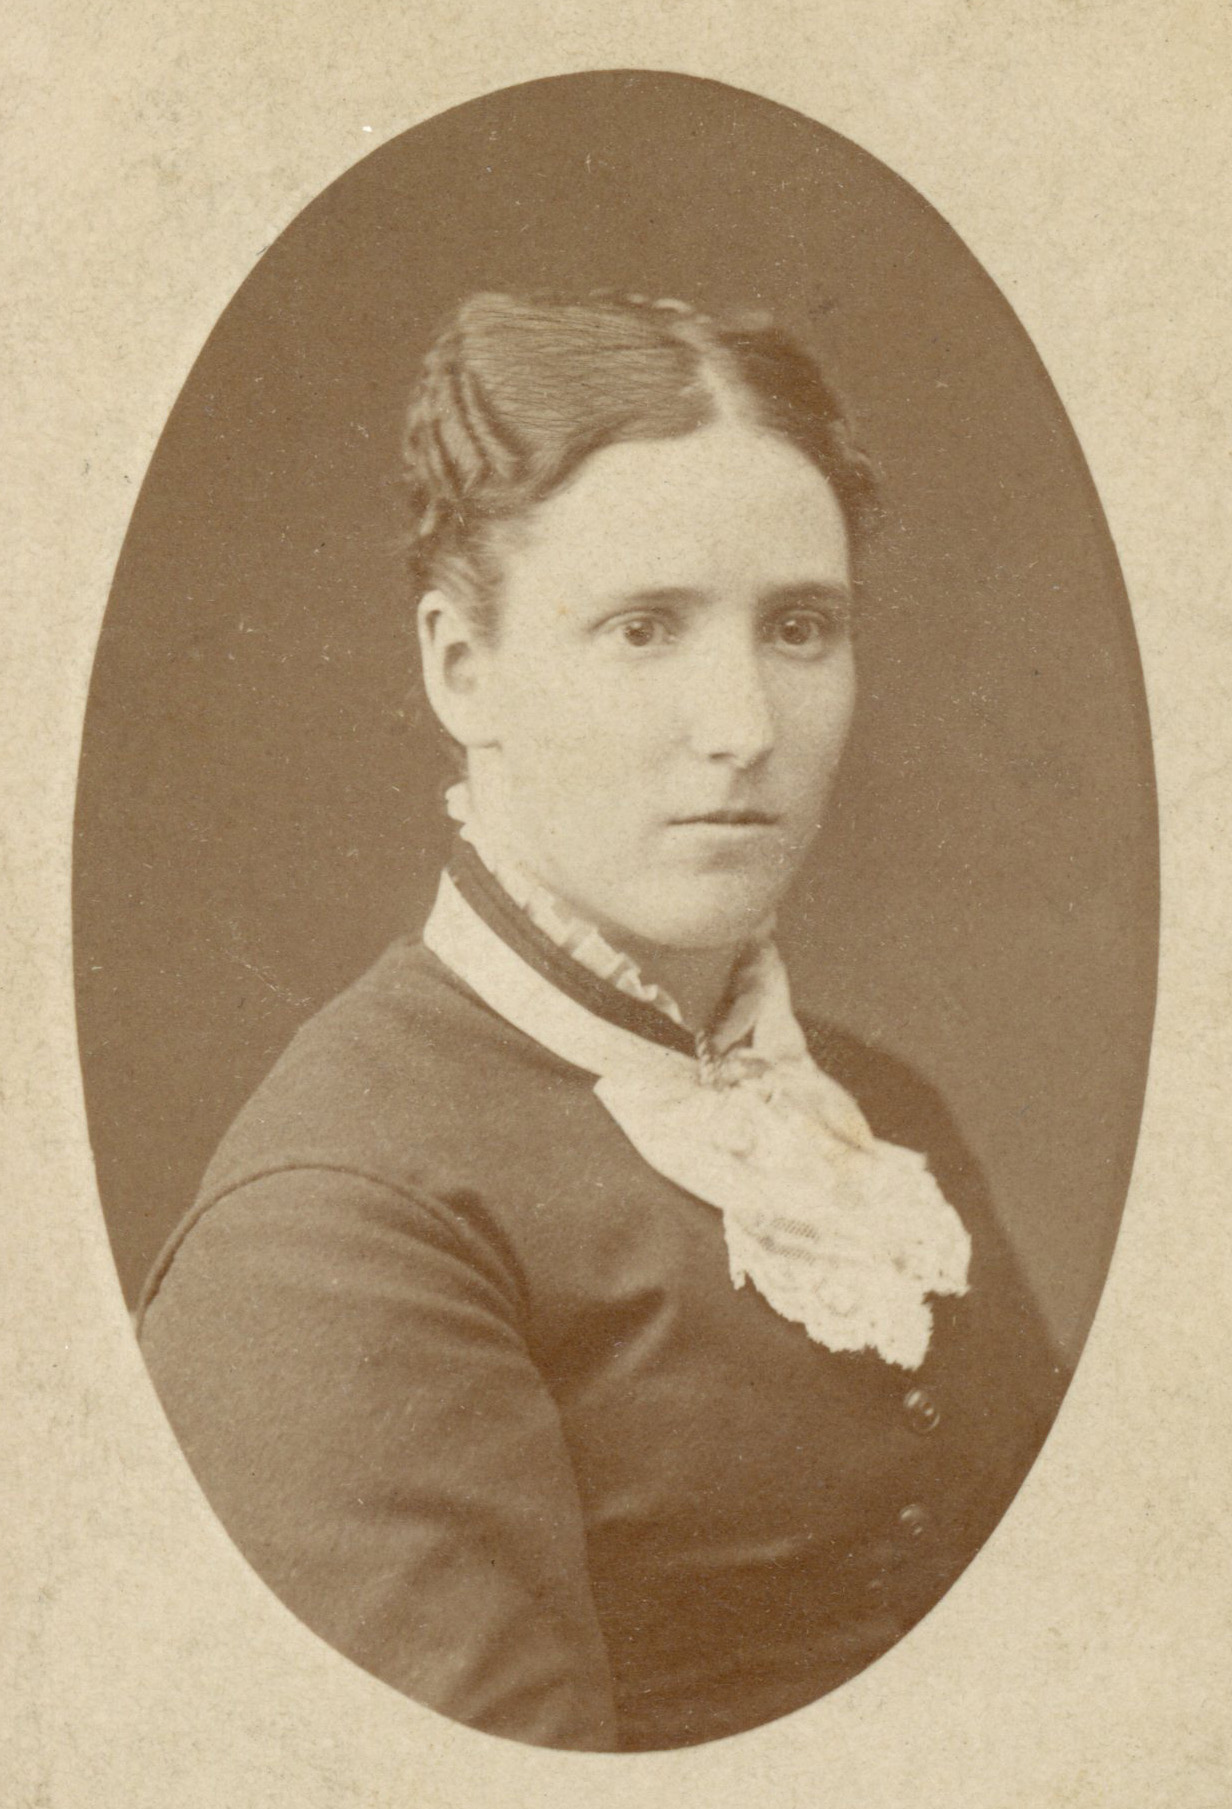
(799, 595)
(663, 596)
(667, 596)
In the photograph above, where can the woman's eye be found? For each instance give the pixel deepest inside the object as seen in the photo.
(804, 631)
(642, 631)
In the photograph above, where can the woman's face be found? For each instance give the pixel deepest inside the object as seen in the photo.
(669, 693)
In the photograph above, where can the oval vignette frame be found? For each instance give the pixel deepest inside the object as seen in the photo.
(259, 797)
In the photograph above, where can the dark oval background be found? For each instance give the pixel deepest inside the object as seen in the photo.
(259, 799)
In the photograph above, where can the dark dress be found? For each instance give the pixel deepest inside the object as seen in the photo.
(470, 1386)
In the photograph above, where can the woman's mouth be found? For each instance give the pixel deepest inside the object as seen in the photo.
(730, 819)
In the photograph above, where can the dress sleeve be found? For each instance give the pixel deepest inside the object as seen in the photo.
(344, 1369)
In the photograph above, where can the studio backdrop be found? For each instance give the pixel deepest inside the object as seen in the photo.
(259, 809)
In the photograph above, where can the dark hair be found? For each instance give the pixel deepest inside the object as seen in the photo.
(517, 391)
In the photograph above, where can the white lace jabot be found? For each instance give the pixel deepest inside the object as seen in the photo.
(840, 1232)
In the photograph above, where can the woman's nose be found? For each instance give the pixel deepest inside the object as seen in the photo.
(730, 715)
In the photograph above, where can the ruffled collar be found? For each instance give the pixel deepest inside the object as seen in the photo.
(838, 1231)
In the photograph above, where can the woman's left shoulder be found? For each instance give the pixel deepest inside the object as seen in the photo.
(905, 1108)
(900, 1104)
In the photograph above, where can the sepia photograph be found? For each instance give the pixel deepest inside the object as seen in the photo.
(614, 986)
(615, 912)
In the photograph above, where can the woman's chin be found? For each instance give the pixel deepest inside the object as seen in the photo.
(710, 917)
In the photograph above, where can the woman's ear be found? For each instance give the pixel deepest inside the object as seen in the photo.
(455, 663)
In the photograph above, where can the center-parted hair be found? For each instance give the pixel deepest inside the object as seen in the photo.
(517, 391)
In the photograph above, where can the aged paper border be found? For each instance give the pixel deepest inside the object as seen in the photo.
(1081, 152)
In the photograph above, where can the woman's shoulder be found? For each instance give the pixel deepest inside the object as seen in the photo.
(892, 1091)
(372, 1074)
(902, 1106)
(376, 1095)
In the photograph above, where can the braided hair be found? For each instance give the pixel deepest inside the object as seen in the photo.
(516, 391)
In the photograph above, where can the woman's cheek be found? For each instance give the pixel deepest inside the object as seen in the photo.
(820, 715)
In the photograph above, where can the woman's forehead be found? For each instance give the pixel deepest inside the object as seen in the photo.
(647, 515)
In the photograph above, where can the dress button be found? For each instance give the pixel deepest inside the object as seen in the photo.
(922, 1411)
(913, 1519)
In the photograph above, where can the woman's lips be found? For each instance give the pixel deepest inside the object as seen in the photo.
(729, 819)
(749, 843)
(725, 834)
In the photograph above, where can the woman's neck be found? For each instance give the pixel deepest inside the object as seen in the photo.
(698, 979)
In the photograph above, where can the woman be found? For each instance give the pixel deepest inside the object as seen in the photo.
(563, 1331)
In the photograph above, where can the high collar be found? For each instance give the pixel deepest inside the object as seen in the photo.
(489, 899)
